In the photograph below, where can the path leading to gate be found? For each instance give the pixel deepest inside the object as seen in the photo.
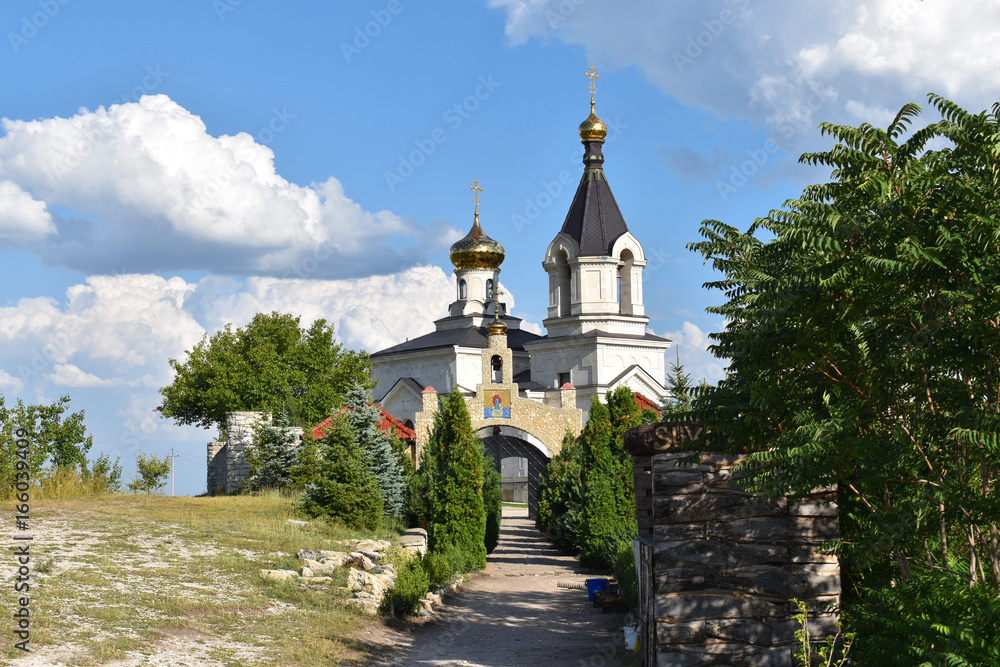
(514, 612)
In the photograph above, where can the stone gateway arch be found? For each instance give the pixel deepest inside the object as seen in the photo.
(509, 425)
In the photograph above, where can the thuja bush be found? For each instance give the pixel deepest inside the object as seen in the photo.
(608, 498)
(457, 514)
(560, 496)
(412, 584)
(492, 502)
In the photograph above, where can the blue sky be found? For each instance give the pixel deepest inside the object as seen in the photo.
(166, 168)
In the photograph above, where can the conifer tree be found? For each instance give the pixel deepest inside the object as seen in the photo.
(344, 489)
(608, 498)
(274, 454)
(560, 496)
(492, 501)
(457, 513)
(679, 384)
(624, 412)
(366, 419)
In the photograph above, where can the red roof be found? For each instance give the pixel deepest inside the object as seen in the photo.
(389, 424)
(646, 403)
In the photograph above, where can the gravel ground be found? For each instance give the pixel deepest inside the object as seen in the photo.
(515, 613)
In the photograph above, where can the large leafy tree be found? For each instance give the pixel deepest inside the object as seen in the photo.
(271, 364)
(863, 341)
(56, 438)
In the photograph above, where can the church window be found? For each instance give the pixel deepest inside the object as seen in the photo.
(563, 283)
(563, 378)
(463, 290)
(625, 274)
(489, 289)
(497, 364)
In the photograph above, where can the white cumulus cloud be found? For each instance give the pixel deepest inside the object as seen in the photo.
(145, 183)
(785, 66)
(22, 218)
(68, 375)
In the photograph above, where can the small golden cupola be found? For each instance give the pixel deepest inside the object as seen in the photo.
(476, 250)
(593, 129)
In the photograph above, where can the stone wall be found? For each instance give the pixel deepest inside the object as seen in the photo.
(726, 563)
(216, 467)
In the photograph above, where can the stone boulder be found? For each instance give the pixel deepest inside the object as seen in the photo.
(279, 575)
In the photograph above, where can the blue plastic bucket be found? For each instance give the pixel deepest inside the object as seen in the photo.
(594, 585)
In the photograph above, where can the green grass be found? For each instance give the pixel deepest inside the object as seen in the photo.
(150, 567)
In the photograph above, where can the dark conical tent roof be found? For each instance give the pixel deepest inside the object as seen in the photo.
(594, 221)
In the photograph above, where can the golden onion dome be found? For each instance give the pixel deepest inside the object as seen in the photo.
(593, 129)
(476, 250)
(496, 327)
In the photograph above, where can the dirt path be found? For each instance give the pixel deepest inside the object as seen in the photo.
(514, 613)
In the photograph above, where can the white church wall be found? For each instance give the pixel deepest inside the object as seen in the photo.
(427, 368)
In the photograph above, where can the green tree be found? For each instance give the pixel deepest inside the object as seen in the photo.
(344, 489)
(608, 515)
(863, 341)
(366, 419)
(274, 454)
(624, 412)
(492, 501)
(457, 513)
(270, 365)
(679, 383)
(151, 473)
(560, 496)
(56, 439)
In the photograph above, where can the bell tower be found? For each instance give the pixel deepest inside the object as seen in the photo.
(596, 334)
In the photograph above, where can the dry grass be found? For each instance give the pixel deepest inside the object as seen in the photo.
(133, 580)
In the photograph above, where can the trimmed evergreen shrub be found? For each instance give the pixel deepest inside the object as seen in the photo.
(457, 514)
(623, 566)
(492, 502)
(366, 419)
(344, 488)
(438, 569)
(411, 585)
(608, 497)
(560, 496)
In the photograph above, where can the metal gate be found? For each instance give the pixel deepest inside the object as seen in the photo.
(502, 446)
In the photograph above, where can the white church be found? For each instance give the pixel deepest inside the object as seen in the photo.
(596, 337)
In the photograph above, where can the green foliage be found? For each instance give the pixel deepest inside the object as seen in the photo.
(402, 451)
(308, 461)
(623, 567)
(457, 515)
(269, 365)
(366, 420)
(273, 455)
(679, 405)
(492, 502)
(103, 475)
(151, 473)
(608, 515)
(438, 569)
(344, 489)
(412, 584)
(560, 496)
(56, 440)
(864, 349)
(808, 651)
(624, 413)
